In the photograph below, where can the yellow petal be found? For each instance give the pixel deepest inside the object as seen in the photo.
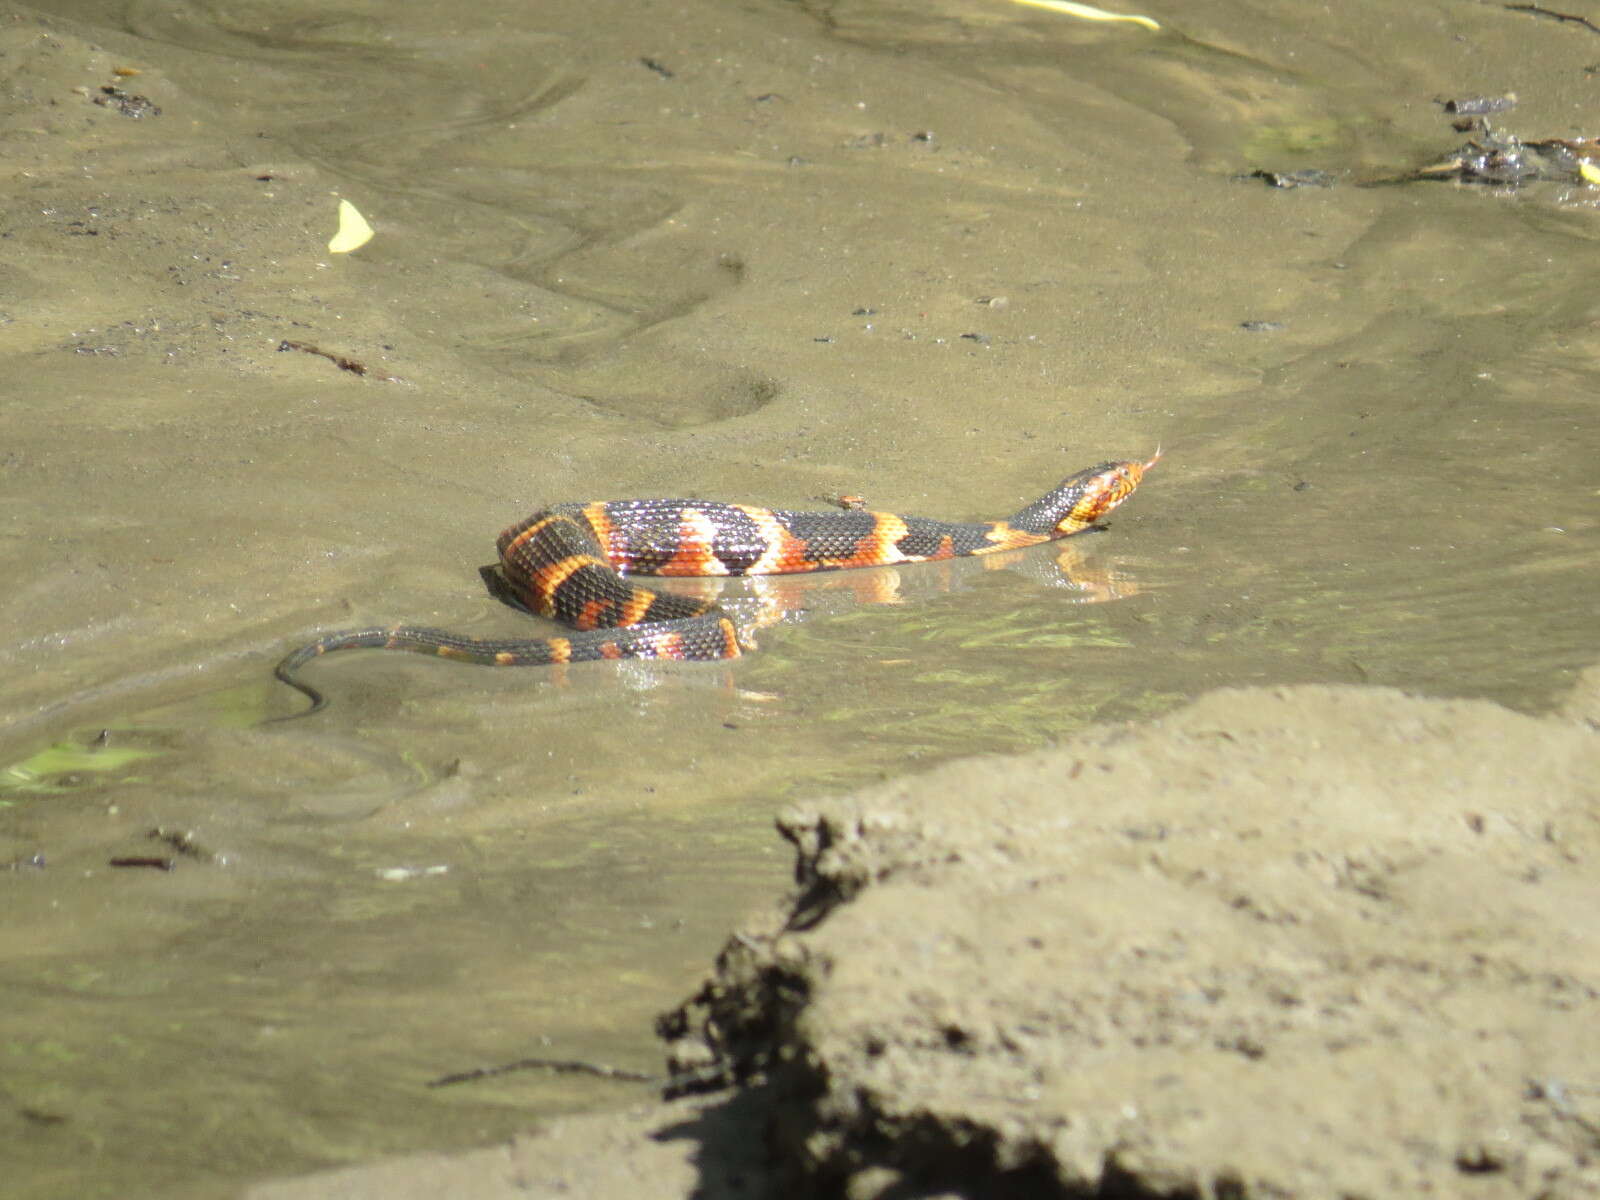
(1087, 11)
(354, 232)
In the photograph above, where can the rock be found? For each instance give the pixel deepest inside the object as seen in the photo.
(1307, 942)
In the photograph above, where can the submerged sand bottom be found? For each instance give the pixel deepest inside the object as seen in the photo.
(1289, 942)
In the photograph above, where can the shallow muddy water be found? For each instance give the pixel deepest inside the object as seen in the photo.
(938, 255)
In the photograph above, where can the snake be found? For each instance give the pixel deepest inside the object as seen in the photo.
(572, 562)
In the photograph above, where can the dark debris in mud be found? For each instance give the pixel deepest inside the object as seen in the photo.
(136, 107)
(1502, 159)
(1491, 157)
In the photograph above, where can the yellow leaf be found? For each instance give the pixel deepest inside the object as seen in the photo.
(354, 232)
(1087, 11)
(1590, 172)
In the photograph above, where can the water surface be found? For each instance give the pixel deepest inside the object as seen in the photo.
(941, 256)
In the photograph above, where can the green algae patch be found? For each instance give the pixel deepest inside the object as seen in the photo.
(66, 766)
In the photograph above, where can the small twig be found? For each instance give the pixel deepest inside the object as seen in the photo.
(713, 1077)
(560, 1066)
(339, 360)
(1538, 11)
(141, 860)
(181, 841)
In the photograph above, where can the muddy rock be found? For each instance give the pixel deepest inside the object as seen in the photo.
(1308, 942)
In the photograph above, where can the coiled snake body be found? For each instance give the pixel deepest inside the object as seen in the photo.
(570, 562)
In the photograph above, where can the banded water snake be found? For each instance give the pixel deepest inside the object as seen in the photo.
(570, 562)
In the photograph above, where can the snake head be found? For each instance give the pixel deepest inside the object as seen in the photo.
(1087, 497)
(1109, 486)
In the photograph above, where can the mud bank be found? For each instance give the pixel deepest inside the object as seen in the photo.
(1287, 942)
